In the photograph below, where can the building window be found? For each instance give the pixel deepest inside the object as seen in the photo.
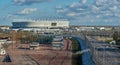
(53, 24)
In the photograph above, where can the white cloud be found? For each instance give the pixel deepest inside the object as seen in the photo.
(101, 12)
(100, 2)
(99, 9)
(62, 10)
(27, 11)
(84, 1)
(114, 8)
(80, 9)
(59, 7)
(8, 17)
(95, 8)
(117, 15)
(107, 20)
(28, 2)
(72, 14)
(97, 16)
(75, 4)
(19, 2)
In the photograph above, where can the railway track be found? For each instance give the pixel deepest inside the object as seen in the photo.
(29, 60)
(51, 60)
(57, 59)
(62, 63)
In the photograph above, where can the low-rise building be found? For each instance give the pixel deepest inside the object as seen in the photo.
(86, 28)
(116, 28)
(34, 45)
(5, 27)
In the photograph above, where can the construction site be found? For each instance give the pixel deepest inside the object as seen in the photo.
(55, 53)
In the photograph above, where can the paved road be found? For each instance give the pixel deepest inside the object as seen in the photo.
(103, 54)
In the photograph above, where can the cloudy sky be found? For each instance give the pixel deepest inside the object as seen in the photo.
(78, 12)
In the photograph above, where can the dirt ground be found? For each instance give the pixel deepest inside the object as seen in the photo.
(21, 55)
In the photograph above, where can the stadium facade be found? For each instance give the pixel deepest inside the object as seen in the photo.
(40, 24)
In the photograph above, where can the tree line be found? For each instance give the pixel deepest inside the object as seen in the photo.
(116, 37)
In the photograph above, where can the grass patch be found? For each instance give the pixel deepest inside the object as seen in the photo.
(76, 58)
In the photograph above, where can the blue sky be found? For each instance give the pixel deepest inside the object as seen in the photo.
(78, 12)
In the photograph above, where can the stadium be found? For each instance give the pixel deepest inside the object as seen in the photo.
(41, 24)
(38, 25)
